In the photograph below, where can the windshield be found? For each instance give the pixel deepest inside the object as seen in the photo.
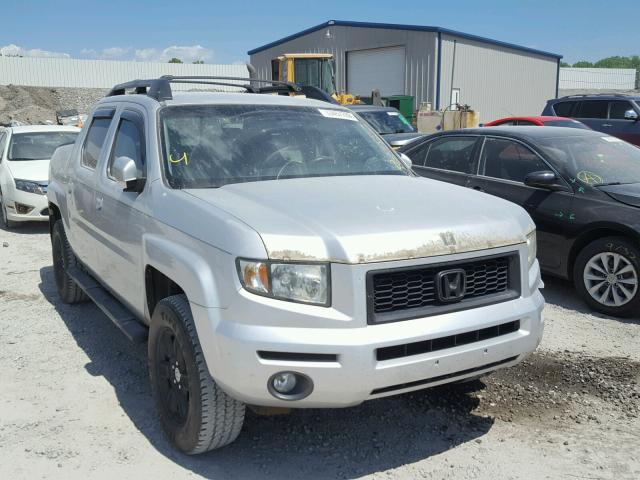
(211, 146)
(596, 160)
(389, 121)
(566, 123)
(37, 145)
(315, 72)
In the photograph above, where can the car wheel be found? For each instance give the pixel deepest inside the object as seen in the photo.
(606, 275)
(63, 259)
(195, 413)
(5, 218)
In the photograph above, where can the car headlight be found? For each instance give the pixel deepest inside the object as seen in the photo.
(30, 187)
(296, 282)
(532, 247)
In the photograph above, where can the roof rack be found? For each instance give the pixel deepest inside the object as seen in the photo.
(160, 88)
(582, 95)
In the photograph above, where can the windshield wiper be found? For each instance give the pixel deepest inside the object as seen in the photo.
(607, 184)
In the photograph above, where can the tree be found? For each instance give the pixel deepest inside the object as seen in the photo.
(564, 64)
(582, 64)
(175, 60)
(199, 62)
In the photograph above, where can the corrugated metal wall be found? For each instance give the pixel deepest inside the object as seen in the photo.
(497, 81)
(420, 54)
(597, 78)
(63, 72)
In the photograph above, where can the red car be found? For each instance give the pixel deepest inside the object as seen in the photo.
(539, 121)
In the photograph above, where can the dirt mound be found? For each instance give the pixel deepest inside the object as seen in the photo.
(34, 105)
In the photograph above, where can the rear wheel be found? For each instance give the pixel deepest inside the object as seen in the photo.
(606, 275)
(195, 413)
(63, 260)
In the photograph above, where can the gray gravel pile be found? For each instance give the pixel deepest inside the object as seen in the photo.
(35, 105)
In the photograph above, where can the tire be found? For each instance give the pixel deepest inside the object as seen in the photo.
(613, 290)
(8, 224)
(63, 259)
(197, 416)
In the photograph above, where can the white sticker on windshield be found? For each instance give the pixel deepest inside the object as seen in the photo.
(340, 115)
(611, 139)
(393, 114)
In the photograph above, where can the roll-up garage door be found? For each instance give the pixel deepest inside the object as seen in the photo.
(381, 68)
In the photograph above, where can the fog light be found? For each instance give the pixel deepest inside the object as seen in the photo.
(284, 382)
(22, 209)
(289, 385)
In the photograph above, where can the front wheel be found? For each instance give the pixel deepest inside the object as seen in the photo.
(63, 260)
(606, 275)
(195, 413)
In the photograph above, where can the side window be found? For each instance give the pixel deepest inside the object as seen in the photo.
(617, 109)
(564, 109)
(509, 160)
(594, 109)
(419, 153)
(453, 153)
(128, 142)
(94, 141)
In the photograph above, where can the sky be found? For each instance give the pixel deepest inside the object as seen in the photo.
(223, 32)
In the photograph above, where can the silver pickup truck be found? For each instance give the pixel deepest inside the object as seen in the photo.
(276, 252)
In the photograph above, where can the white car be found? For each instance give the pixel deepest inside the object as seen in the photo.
(24, 169)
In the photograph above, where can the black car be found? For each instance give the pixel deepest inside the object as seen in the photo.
(388, 122)
(581, 187)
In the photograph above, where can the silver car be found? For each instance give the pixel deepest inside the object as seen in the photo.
(281, 254)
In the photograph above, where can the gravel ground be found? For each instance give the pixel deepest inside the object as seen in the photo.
(75, 403)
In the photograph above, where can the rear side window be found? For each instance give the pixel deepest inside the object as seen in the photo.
(94, 141)
(128, 143)
(419, 153)
(509, 160)
(564, 109)
(617, 109)
(594, 109)
(454, 154)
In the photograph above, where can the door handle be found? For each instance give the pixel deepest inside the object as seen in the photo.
(99, 203)
(478, 189)
(607, 125)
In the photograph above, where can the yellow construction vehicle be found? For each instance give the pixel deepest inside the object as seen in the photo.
(314, 69)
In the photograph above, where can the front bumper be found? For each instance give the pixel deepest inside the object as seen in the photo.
(350, 372)
(38, 204)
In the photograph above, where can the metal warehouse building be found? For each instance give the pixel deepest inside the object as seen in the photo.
(495, 78)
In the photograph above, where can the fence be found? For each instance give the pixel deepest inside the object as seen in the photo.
(597, 79)
(65, 72)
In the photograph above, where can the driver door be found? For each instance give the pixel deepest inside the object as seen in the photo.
(504, 164)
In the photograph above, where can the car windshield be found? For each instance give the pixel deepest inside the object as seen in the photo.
(595, 160)
(385, 122)
(214, 145)
(566, 123)
(37, 145)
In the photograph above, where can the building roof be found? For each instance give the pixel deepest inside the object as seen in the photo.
(393, 26)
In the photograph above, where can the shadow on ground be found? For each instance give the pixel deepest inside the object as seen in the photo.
(561, 293)
(343, 443)
(26, 228)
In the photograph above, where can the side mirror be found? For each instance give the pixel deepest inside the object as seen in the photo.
(406, 160)
(125, 172)
(544, 179)
(631, 115)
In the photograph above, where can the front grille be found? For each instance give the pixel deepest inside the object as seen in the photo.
(442, 343)
(400, 294)
(426, 381)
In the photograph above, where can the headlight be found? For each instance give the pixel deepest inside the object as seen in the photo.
(31, 187)
(532, 247)
(296, 282)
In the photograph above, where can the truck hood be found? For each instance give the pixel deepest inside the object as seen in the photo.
(36, 170)
(361, 219)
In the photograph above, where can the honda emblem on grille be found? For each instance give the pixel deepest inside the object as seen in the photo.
(451, 285)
